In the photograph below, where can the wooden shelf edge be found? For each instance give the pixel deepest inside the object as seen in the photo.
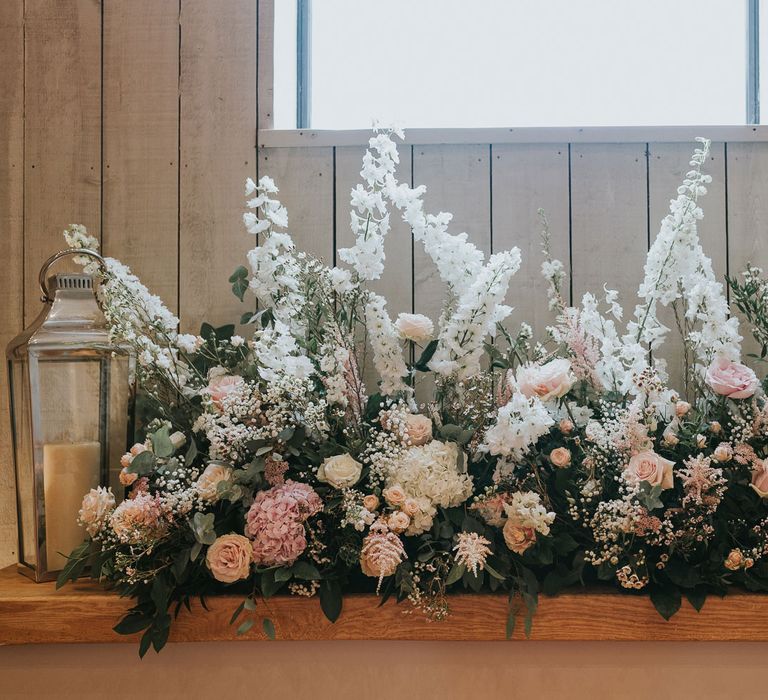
(85, 613)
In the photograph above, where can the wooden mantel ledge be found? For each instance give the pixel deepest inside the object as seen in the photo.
(33, 613)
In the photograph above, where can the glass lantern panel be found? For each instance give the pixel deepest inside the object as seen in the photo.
(25, 474)
(68, 447)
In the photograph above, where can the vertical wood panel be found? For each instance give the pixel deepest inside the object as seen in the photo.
(305, 179)
(62, 155)
(525, 179)
(266, 52)
(747, 213)
(609, 229)
(12, 228)
(668, 164)
(396, 281)
(141, 127)
(458, 181)
(218, 135)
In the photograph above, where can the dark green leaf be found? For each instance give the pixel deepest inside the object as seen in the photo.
(511, 618)
(666, 600)
(681, 573)
(306, 571)
(132, 623)
(330, 599)
(456, 572)
(76, 562)
(696, 598)
(239, 273)
(269, 627)
(245, 625)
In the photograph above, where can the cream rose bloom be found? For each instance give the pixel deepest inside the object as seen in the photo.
(652, 468)
(371, 502)
(207, 484)
(340, 471)
(415, 327)
(517, 537)
(419, 429)
(394, 495)
(560, 457)
(398, 522)
(552, 380)
(229, 558)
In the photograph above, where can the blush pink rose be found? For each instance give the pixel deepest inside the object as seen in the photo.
(652, 468)
(552, 380)
(731, 379)
(760, 479)
(419, 429)
(220, 388)
(229, 558)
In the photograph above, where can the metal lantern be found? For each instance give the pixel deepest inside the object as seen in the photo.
(71, 398)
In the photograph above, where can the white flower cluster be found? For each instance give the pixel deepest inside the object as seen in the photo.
(479, 309)
(519, 425)
(526, 510)
(387, 354)
(430, 474)
(278, 354)
(333, 368)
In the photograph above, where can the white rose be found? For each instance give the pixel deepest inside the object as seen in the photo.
(551, 380)
(415, 327)
(208, 482)
(339, 471)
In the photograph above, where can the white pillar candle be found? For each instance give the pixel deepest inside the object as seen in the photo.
(70, 470)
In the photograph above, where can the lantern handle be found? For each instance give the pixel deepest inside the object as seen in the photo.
(46, 298)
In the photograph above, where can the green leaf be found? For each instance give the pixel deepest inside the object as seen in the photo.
(143, 463)
(133, 622)
(422, 364)
(696, 598)
(239, 273)
(180, 561)
(456, 572)
(649, 496)
(194, 552)
(330, 599)
(493, 572)
(282, 575)
(249, 604)
(203, 526)
(192, 453)
(245, 626)
(246, 318)
(269, 628)
(145, 643)
(666, 600)
(306, 571)
(511, 619)
(76, 562)
(161, 443)
(239, 287)
(681, 573)
(238, 611)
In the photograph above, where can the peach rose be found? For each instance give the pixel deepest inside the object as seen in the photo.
(394, 495)
(723, 452)
(229, 558)
(398, 522)
(566, 426)
(126, 477)
(411, 507)
(652, 468)
(560, 457)
(220, 388)
(682, 408)
(715, 427)
(552, 380)
(414, 327)
(734, 561)
(208, 482)
(731, 379)
(371, 502)
(419, 429)
(517, 537)
(760, 479)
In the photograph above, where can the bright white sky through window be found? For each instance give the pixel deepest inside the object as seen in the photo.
(502, 63)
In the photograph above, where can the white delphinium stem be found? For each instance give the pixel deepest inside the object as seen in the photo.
(385, 342)
(519, 425)
(278, 355)
(479, 309)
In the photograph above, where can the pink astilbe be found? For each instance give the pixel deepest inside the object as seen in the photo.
(382, 552)
(275, 522)
(703, 484)
(583, 348)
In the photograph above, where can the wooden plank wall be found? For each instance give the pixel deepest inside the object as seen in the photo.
(141, 119)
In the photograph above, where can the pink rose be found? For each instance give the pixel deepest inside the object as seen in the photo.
(652, 468)
(419, 429)
(411, 507)
(760, 479)
(371, 502)
(517, 537)
(219, 388)
(731, 379)
(560, 457)
(552, 380)
(229, 558)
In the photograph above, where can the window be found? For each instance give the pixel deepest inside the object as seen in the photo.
(504, 63)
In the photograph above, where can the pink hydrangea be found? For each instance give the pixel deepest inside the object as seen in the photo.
(275, 522)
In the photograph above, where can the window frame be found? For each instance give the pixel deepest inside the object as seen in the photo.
(304, 136)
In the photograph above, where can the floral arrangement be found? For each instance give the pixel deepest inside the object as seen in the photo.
(327, 448)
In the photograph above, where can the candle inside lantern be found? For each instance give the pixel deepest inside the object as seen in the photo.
(70, 470)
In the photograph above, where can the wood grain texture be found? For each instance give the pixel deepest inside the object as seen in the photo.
(747, 214)
(527, 178)
(609, 230)
(668, 164)
(218, 142)
(62, 152)
(305, 179)
(12, 231)
(140, 212)
(266, 73)
(36, 613)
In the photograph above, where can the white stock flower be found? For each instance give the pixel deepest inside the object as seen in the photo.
(519, 425)
(387, 355)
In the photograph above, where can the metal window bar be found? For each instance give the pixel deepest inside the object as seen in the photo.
(753, 61)
(303, 48)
